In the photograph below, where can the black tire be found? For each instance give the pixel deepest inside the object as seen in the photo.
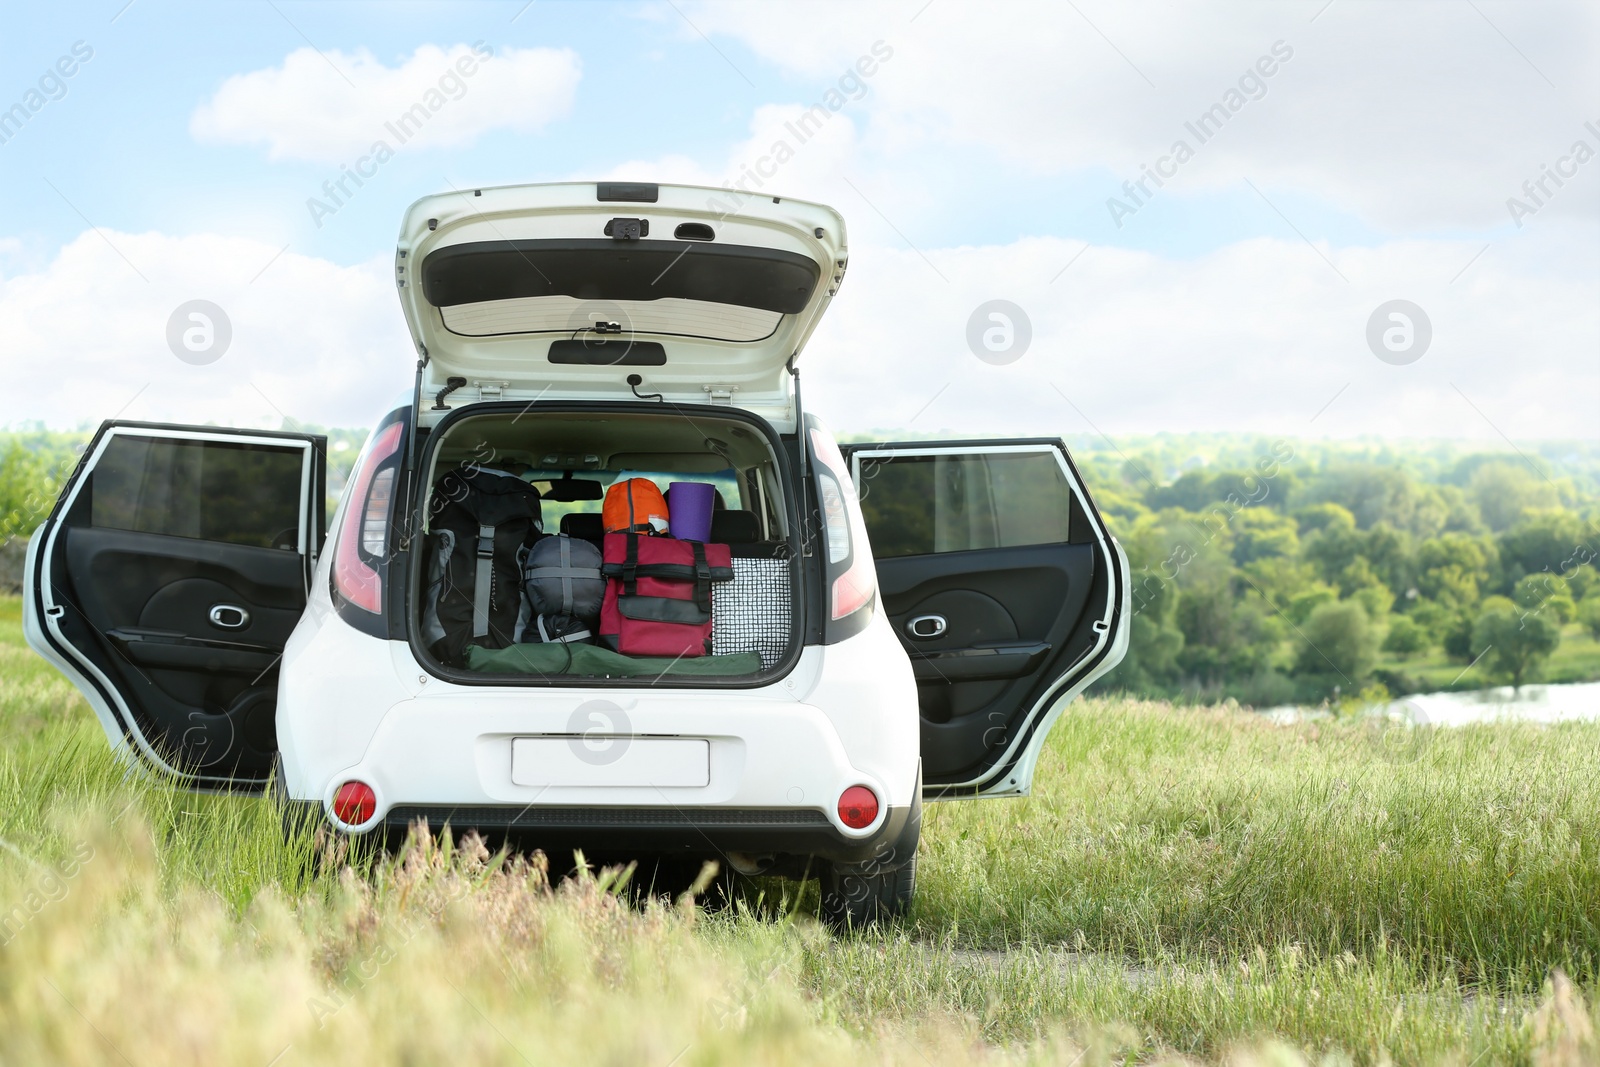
(858, 897)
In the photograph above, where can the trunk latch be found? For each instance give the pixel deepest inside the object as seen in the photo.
(627, 229)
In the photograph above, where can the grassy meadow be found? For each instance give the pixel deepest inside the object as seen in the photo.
(1186, 886)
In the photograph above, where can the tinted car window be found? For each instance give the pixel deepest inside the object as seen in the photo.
(242, 494)
(915, 505)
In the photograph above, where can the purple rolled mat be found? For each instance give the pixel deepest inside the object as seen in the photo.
(689, 509)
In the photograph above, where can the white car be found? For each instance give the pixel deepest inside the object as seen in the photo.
(576, 334)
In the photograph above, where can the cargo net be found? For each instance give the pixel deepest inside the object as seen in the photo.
(752, 613)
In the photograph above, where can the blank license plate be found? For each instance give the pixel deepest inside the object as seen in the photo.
(610, 761)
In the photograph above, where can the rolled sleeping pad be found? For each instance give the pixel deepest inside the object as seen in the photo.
(689, 506)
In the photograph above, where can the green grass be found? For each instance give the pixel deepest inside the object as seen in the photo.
(1477, 848)
(1186, 883)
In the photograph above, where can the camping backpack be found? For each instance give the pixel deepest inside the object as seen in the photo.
(562, 575)
(483, 521)
(658, 594)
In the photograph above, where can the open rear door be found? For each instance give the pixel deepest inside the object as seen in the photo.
(166, 582)
(1005, 588)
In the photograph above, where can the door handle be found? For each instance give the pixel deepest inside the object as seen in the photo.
(229, 617)
(926, 627)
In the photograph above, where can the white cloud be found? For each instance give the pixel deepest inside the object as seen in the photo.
(1260, 335)
(785, 152)
(11, 251)
(1257, 336)
(436, 97)
(311, 339)
(1416, 116)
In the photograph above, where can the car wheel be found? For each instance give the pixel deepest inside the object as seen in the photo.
(856, 897)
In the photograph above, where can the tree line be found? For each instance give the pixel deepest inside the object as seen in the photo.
(1280, 571)
(1267, 570)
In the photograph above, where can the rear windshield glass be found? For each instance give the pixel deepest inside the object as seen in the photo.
(724, 292)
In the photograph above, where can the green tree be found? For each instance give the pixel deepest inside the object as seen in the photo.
(1556, 541)
(1228, 632)
(1120, 507)
(1151, 664)
(1154, 640)
(1339, 638)
(1589, 614)
(1279, 579)
(1375, 493)
(1192, 491)
(1359, 574)
(1335, 544)
(1405, 636)
(1261, 533)
(1581, 580)
(1309, 599)
(1433, 617)
(1545, 593)
(1321, 516)
(1458, 635)
(1453, 568)
(1250, 538)
(1504, 490)
(1393, 557)
(1461, 513)
(1514, 644)
(25, 491)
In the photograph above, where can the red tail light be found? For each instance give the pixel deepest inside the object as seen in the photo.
(844, 532)
(858, 807)
(355, 802)
(853, 589)
(364, 530)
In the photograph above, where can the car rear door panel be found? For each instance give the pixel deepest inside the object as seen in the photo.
(997, 627)
(156, 582)
(176, 637)
(1008, 612)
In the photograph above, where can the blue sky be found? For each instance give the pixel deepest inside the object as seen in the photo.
(120, 141)
(1376, 163)
(118, 144)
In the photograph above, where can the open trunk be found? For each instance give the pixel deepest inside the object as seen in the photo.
(572, 289)
(572, 453)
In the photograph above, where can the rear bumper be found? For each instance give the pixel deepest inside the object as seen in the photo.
(779, 757)
(781, 833)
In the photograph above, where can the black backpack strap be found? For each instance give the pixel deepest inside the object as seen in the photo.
(702, 577)
(482, 581)
(566, 575)
(630, 566)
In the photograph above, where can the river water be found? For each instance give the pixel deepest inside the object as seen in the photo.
(1531, 703)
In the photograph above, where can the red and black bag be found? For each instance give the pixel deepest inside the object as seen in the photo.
(658, 594)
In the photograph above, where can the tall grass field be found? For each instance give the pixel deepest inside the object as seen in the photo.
(1185, 886)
